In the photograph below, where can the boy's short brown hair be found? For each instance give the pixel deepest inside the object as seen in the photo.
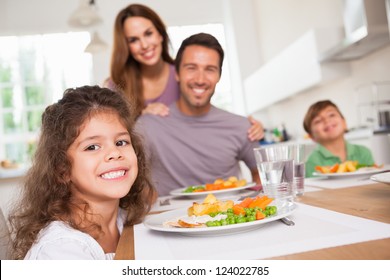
(313, 112)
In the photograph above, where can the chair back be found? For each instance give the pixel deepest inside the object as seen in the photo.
(4, 237)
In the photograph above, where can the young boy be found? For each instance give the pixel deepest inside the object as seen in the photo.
(326, 125)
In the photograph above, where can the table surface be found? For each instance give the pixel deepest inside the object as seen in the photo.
(369, 201)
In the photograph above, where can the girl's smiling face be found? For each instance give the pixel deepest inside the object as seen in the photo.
(328, 125)
(104, 164)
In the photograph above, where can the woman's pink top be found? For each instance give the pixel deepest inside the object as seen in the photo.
(169, 95)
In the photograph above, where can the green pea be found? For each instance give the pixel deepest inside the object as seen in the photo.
(250, 218)
(271, 210)
(213, 214)
(210, 224)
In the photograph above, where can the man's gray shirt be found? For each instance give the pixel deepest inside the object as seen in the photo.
(185, 151)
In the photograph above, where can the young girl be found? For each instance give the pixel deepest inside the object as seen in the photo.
(326, 126)
(88, 179)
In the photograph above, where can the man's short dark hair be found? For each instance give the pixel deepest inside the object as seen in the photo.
(204, 40)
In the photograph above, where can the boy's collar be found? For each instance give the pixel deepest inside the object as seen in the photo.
(325, 152)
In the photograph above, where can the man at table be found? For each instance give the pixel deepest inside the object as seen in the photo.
(197, 142)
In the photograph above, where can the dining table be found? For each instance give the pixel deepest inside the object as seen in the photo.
(336, 219)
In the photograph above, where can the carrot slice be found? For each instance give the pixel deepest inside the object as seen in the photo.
(260, 215)
(265, 203)
(334, 168)
(212, 187)
(322, 169)
(237, 209)
(318, 168)
(257, 201)
(245, 203)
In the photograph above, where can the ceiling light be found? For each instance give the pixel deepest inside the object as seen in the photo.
(96, 45)
(86, 15)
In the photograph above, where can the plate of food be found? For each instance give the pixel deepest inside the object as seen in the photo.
(213, 217)
(381, 178)
(232, 184)
(349, 169)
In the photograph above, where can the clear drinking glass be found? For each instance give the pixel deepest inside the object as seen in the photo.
(276, 170)
(297, 153)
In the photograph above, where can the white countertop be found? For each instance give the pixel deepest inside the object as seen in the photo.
(12, 172)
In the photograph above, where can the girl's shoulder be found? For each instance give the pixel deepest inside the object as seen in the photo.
(60, 241)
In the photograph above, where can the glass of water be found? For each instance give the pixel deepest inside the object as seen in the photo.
(297, 153)
(276, 170)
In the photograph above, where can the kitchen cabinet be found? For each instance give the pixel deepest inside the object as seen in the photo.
(294, 70)
(374, 112)
(374, 105)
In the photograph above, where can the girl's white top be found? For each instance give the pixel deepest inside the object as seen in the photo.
(59, 241)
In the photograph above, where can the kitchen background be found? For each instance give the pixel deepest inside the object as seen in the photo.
(282, 56)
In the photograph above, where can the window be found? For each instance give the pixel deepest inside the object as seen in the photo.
(34, 72)
(222, 97)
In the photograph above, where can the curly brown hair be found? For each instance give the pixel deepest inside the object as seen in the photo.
(125, 70)
(46, 194)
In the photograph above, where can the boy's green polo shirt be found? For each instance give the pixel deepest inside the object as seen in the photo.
(321, 156)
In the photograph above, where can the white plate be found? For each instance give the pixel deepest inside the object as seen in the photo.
(381, 177)
(360, 172)
(179, 192)
(156, 222)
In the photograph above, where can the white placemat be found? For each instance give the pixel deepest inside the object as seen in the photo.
(337, 183)
(315, 228)
(311, 188)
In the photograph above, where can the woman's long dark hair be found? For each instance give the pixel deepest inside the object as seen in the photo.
(125, 70)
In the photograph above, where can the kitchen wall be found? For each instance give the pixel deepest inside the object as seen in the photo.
(256, 30)
(279, 23)
(20, 17)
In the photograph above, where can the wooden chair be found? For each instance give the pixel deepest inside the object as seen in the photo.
(4, 237)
